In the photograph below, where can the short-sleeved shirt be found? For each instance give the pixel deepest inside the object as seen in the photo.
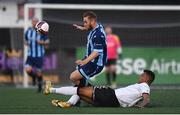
(130, 95)
(97, 42)
(113, 44)
(35, 49)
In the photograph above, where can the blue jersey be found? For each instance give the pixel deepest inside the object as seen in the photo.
(35, 49)
(97, 42)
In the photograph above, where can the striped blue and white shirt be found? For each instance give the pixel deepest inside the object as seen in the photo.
(35, 49)
(97, 42)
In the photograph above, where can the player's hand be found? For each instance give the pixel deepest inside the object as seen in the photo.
(138, 106)
(26, 43)
(80, 62)
(40, 42)
(79, 27)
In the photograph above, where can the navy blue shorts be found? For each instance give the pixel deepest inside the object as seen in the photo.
(35, 62)
(89, 70)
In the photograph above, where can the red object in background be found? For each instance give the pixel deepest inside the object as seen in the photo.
(21, 12)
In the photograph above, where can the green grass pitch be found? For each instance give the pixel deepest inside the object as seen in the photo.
(27, 101)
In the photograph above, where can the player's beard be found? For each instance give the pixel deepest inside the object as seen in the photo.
(90, 28)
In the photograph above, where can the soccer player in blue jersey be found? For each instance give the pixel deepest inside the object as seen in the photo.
(95, 58)
(36, 39)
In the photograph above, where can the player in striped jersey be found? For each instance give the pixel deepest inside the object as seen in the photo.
(36, 42)
(96, 54)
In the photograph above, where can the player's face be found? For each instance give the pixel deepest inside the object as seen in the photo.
(108, 30)
(143, 78)
(34, 21)
(87, 23)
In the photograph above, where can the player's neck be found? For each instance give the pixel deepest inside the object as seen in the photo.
(94, 25)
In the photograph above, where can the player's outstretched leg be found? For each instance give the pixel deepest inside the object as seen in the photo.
(68, 90)
(85, 94)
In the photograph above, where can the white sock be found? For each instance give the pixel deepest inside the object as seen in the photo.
(64, 90)
(73, 100)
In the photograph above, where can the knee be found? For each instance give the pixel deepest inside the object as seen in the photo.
(107, 69)
(39, 74)
(28, 70)
(73, 77)
(113, 68)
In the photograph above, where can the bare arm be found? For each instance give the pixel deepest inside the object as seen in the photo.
(79, 27)
(26, 40)
(93, 55)
(145, 101)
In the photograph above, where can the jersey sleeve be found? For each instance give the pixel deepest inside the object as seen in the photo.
(144, 88)
(26, 35)
(98, 43)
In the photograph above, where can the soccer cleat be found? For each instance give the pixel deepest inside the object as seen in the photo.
(55, 102)
(63, 104)
(47, 87)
